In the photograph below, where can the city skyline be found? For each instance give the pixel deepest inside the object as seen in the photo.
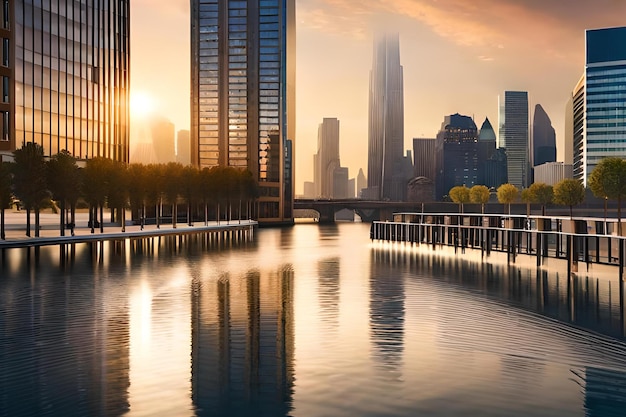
(470, 63)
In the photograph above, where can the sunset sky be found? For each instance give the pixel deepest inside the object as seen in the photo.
(458, 56)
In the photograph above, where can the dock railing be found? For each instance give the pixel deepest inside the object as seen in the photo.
(588, 240)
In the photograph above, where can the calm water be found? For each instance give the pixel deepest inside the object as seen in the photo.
(309, 321)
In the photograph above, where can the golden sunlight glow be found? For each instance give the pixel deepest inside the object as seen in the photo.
(141, 104)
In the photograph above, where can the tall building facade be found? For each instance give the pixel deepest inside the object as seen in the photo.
(243, 96)
(544, 137)
(514, 137)
(456, 154)
(599, 102)
(182, 147)
(385, 178)
(423, 161)
(327, 158)
(163, 139)
(66, 76)
(361, 183)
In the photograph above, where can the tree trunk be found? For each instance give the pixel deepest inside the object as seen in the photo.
(2, 235)
(240, 211)
(92, 217)
(28, 221)
(206, 214)
(123, 217)
(73, 217)
(189, 212)
(102, 218)
(62, 218)
(174, 215)
(158, 213)
(112, 215)
(37, 222)
(619, 215)
(217, 212)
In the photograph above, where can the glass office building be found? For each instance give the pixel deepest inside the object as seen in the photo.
(601, 98)
(242, 94)
(65, 76)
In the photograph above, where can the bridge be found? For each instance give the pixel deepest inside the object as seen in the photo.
(368, 210)
(374, 210)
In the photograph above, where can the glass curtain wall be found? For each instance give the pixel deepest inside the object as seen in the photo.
(72, 76)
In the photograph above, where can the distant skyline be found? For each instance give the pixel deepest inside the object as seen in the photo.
(458, 56)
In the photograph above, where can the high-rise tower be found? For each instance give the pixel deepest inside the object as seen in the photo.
(514, 137)
(327, 158)
(544, 138)
(598, 112)
(385, 176)
(242, 94)
(65, 77)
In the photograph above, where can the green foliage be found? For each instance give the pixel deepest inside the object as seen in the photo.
(460, 194)
(507, 193)
(64, 177)
(6, 180)
(569, 192)
(479, 194)
(29, 176)
(608, 179)
(541, 193)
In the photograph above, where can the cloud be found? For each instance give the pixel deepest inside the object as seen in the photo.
(542, 25)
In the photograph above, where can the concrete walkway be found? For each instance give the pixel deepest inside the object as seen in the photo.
(50, 234)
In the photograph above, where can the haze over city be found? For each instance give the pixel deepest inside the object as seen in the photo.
(457, 56)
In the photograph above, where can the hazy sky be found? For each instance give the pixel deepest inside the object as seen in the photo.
(458, 56)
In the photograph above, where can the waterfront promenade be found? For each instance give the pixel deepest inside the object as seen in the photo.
(49, 232)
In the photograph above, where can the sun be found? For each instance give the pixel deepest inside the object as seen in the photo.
(141, 104)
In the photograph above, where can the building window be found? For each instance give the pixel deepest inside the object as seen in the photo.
(5, 52)
(5, 126)
(5, 89)
(5, 14)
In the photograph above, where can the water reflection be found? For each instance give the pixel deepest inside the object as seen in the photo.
(595, 304)
(604, 391)
(64, 349)
(386, 312)
(243, 344)
(329, 272)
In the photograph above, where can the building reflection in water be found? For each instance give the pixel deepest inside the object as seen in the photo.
(596, 304)
(604, 391)
(243, 344)
(386, 313)
(328, 271)
(65, 344)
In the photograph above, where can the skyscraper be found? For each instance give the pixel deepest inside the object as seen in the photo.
(242, 94)
(456, 154)
(423, 160)
(65, 77)
(182, 147)
(385, 177)
(599, 102)
(327, 158)
(544, 138)
(514, 137)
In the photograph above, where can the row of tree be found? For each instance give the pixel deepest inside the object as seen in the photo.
(36, 182)
(607, 181)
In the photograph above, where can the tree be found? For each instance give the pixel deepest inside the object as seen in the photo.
(460, 195)
(139, 187)
(543, 194)
(527, 197)
(29, 180)
(96, 186)
(507, 194)
(608, 181)
(64, 184)
(171, 187)
(117, 192)
(479, 194)
(155, 178)
(569, 192)
(5, 193)
(190, 185)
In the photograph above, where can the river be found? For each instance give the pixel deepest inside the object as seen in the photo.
(313, 320)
